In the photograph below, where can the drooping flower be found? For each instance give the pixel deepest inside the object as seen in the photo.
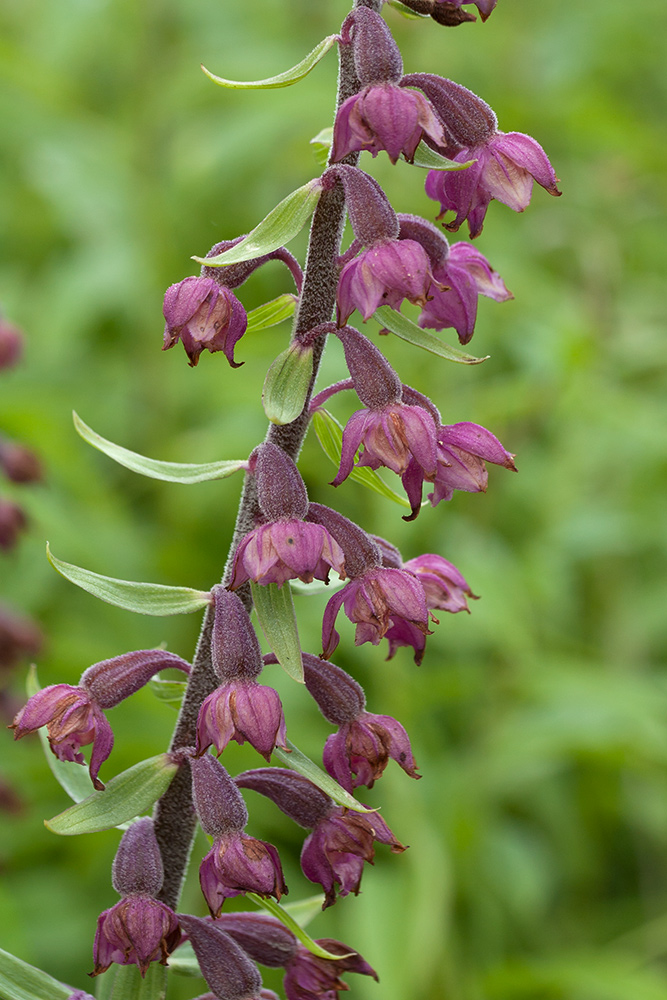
(382, 115)
(307, 977)
(444, 585)
(11, 344)
(237, 863)
(203, 315)
(385, 274)
(287, 547)
(74, 716)
(19, 464)
(341, 839)
(139, 929)
(240, 709)
(359, 752)
(465, 276)
(12, 522)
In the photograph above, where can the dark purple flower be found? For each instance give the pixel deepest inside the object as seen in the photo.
(19, 637)
(139, 929)
(11, 344)
(505, 168)
(392, 437)
(237, 863)
(384, 274)
(73, 716)
(384, 116)
(465, 276)
(309, 977)
(359, 752)
(73, 720)
(403, 633)
(444, 585)
(483, 6)
(12, 522)
(375, 601)
(341, 839)
(19, 464)
(240, 711)
(203, 315)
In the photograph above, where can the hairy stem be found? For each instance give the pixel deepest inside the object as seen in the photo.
(175, 820)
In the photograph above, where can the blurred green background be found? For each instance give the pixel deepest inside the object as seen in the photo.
(538, 833)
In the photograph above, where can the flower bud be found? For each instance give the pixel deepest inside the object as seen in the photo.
(11, 345)
(224, 965)
(19, 464)
(218, 803)
(137, 866)
(12, 522)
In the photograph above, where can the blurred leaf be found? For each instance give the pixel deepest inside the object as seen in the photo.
(144, 598)
(404, 328)
(170, 472)
(275, 610)
(168, 692)
(430, 160)
(309, 769)
(285, 79)
(286, 384)
(20, 981)
(127, 795)
(276, 910)
(124, 982)
(279, 227)
(271, 313)
(330, 435)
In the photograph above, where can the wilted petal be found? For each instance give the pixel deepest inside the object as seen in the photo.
(136, 931)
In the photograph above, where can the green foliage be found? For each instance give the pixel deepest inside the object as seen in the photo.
(539, 829)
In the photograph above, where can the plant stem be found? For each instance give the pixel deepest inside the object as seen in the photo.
(175, 820)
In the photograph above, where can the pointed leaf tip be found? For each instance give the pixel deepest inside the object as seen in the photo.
(127, 795)
(279, 227)
(143, 598)
(401, 326)
(170, 472)
(285, 79)
(276, 910)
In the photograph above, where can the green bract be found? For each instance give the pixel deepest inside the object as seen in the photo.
(275, 610)
(285, 79)
(144, 598)
(170, 472)
(279, 227)
(430, 160)
(276, 910)
(127, 795)
(124, 982)
(404, 328)
(286, 384)
(271, 313)
(298, 761)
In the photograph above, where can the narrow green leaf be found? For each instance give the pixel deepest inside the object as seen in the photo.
(298, 761)
(271, 313)
(127, 795)
(72, 777)
(170, 472)
(184, 961)
(430, 160)
(275, 610)
(330, 435)
(305, 910)
(279, 227)
(322, 143)
(169, 692)
(404, 328)
(124, 982)
(286, 384)
(144, 598)
(20, 981)
(285, 79)
(276, 910)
